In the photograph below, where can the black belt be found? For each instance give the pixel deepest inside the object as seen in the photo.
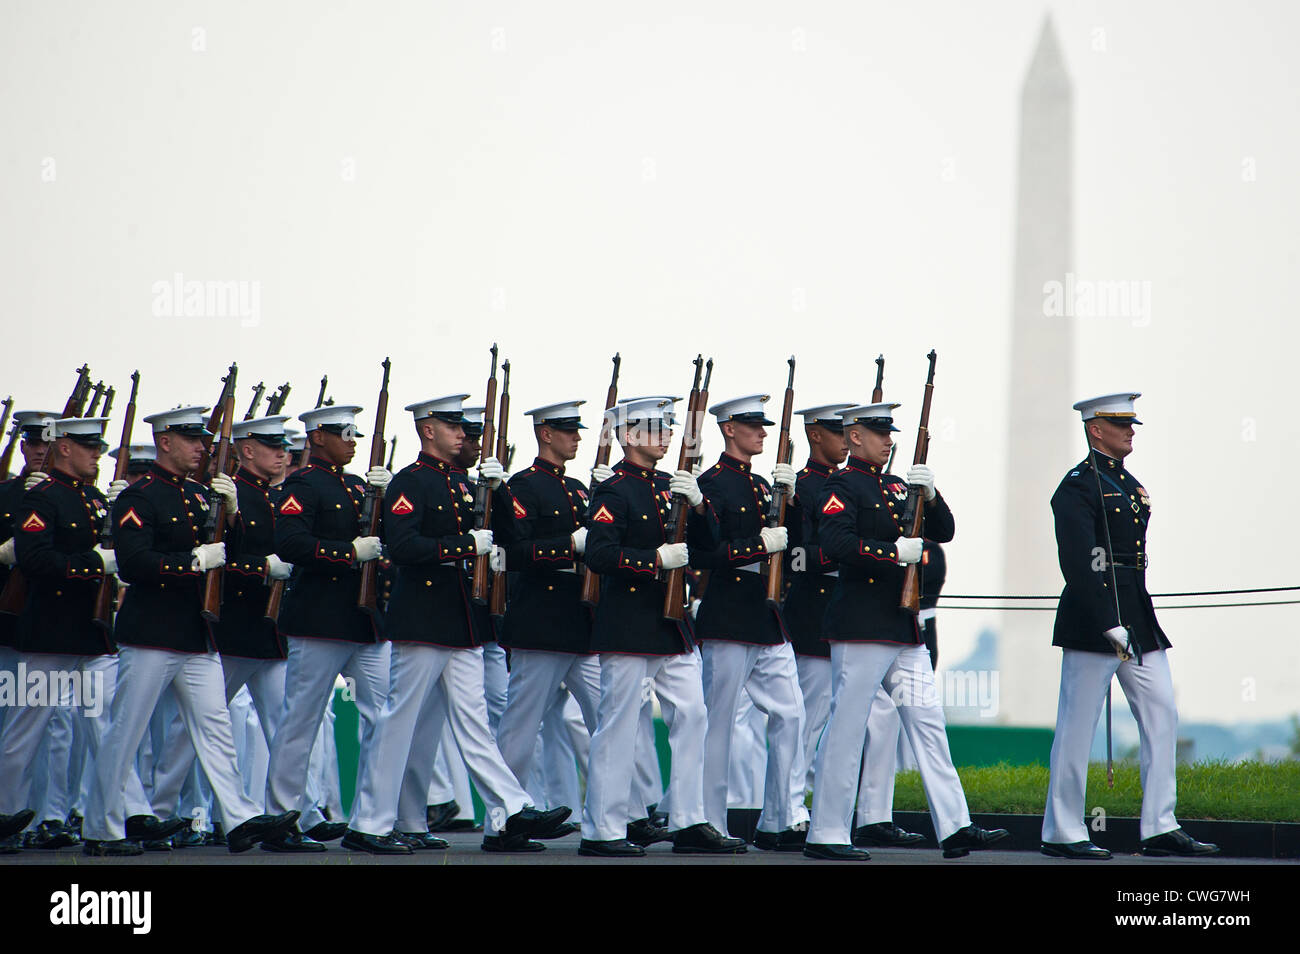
(1130, 561)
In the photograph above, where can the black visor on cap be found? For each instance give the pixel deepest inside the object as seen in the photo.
(471, 430)
(750, 417)
(882, 425)
(836, 426)
(189, 430)
(270, 440)
(87, 440)
(563, 424)
(339, 428)
(32, 433)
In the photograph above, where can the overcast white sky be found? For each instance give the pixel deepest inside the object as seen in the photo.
(832, 179)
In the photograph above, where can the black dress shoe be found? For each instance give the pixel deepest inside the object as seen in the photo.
(886, 835)
(51, 835)
(292, 841)
(704, 839)
(1177, 842)
(1078, 850)
(13, 824)
(73, 824)
(156, 844)
(246, 835)
(215, 838)
(374, 844)
(972, 838)
(438, 815)
(510, 844)
(149, 828)
(642, 832)
(110, 849)
(421, 840)
(530, 821)
(619, 848)
(791, 839)
(561, 830)
(835, 852)
(11, 845)
(659, 819)
(327, 831)
(188, 839)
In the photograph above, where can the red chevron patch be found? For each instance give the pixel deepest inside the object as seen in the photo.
(401, 506)
(130, 517)
(833, 505)
(33, 523)
(290, 506)
(603, 515)
(520, 512)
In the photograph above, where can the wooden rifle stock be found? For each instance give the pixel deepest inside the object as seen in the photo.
(276, 596)
(213, 578)
(483, 492)
(780, 497)
(372, 508)
(13, 598)
(675, 592)
(204, 470)
(497, 603)
(910, 599)
(590, 578)
(7, 458)
(103, 614)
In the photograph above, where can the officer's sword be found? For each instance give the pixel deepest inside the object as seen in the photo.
(1124, 654)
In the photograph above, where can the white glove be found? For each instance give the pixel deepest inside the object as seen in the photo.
(697, 470)
(783, 475)
(208, 556)
(922, 476)
(672, 555)
(224, 487)
(366, 549)
(378, 477)
(695, 608)
(601, 473)
(579, 538)
(7, 556)
(909, 549)
(1118, 637)
(497, 559)
(684, 483)
(492, 471)
(115, 488)
(482, 541)
(108, 558)
(774, 538)
(34, 478)
(277, 569)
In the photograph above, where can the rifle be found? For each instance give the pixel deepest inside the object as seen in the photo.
(7, 458)
(94, 402)
(217, 505)
(372, 507)
(497, 604)
(276, 594)
(276, 404)
(258, 392)
(103, 614)
(776, 509)
(878, 392)
(482, 492)
(108, 402)
(590, 578)
(216, 423)
(392, 452)
(13, 598)
(914, 516)
(675, 528)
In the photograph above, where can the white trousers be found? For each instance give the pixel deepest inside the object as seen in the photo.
(770, 676)
(857, 671)
(815, 686)
(309, 685)
(1149, 690)
(197, 680)
(561, 754)
(25, 726)
(626, 683)
(432, 685)
(535, 677)
(748, 766)
(496, 679)
(450, 779)
(648, 779)
(879, 761)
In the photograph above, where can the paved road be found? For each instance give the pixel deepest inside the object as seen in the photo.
(465, 851)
